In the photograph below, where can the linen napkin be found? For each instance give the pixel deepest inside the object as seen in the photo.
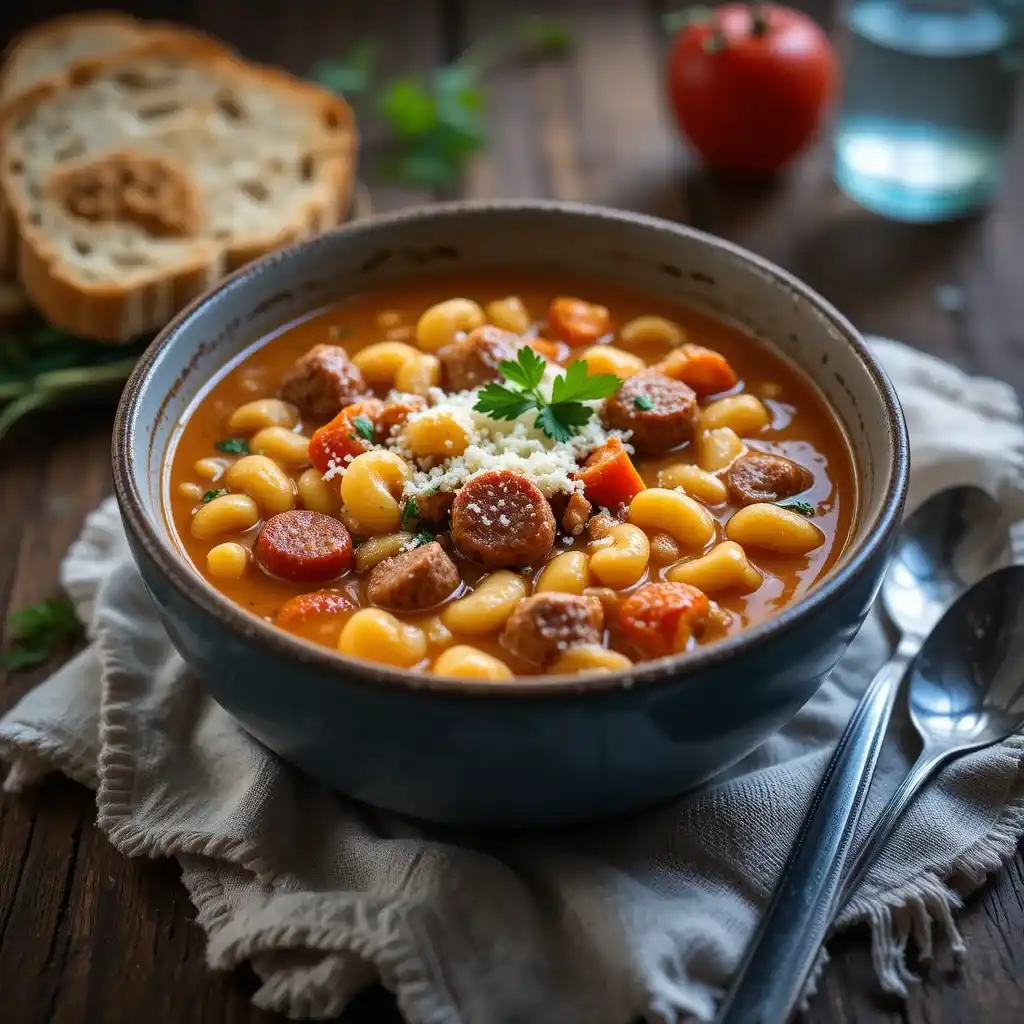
(644, 916)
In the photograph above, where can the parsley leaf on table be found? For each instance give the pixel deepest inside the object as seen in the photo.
(436, 120)
(37, 631)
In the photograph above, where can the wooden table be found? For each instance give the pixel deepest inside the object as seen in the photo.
(86, 935)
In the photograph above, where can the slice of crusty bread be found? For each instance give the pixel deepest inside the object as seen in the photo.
(49, 48)
(47, 51)
(130, 190)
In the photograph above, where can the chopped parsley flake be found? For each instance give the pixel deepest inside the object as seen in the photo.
(364, 427)
(216, 493)
(644, 403)
(233, 446)
(802, 508)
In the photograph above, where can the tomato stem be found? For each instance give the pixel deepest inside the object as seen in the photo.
(758, 20)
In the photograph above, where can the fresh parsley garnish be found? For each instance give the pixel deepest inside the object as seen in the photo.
(435, 122)
(410, 510)
(644, 403)
(38, 631)
(233, 446)
(802, 508)
(215, 493)
(422, 537)
(562, 416)
(364, 427)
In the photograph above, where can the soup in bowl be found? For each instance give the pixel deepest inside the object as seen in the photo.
(489, 537)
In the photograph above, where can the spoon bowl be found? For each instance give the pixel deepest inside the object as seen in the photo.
(948, 544)
(967, 684)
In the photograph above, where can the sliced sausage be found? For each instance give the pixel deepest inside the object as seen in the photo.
(393, 415)
(661, 412)
(473, 360)
(413, 580)
(321, 382)
(304, 546)
(546, 624)
(500, 518)
(762, 476)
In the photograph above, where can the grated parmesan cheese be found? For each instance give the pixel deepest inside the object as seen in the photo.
(517, 445)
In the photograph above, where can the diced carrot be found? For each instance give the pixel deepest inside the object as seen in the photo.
(309, 606)
(552, 351)
(394, 414)
(609, 476)
(577, 322)
(371, 408)
(333, 442)
(660, 618)
(703, 369)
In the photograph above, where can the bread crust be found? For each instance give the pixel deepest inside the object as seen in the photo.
(119, 311)
(136, 33)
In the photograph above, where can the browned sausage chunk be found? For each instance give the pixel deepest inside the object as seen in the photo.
(413, 580)
(321, 382)
(761, 476)
(545, 624)
(576, 514)
(434, 508)
(500, 518)
(473, 360)
(665, 417)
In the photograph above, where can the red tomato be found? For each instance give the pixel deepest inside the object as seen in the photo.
(749, 85)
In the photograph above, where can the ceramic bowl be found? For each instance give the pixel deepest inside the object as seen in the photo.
(535, 751)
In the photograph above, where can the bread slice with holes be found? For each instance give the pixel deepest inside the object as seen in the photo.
(46, 52)
(129, 191)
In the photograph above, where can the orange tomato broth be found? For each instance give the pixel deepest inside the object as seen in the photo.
(803, 428)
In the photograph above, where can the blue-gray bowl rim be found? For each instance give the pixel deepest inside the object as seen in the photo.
(195, 589)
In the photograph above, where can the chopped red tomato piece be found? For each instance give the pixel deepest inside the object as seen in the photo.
(345, 435)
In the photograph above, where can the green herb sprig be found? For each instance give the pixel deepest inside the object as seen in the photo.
(562, 416)
(38, 631)
(364, 427)
(232, 445)
(410, 511)
(43, 366)
(210, 495)
(435, 121)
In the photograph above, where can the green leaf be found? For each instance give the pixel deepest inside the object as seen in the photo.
(215, 493)
(526, 370)
(409, 107)
(38, 631)
(802, 508)
(644, 403)
(550, 38)
(549, 421)
(459, 103)
(351, 74)
(501, 403)
(232, 446)
(576, 385)
(422, 537)
(364, 427)
(409, 511)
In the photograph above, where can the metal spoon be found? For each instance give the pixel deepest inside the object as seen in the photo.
(966, 691)
(949, 543)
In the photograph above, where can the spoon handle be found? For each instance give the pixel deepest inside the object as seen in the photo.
(782, 954)
(929, 762)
